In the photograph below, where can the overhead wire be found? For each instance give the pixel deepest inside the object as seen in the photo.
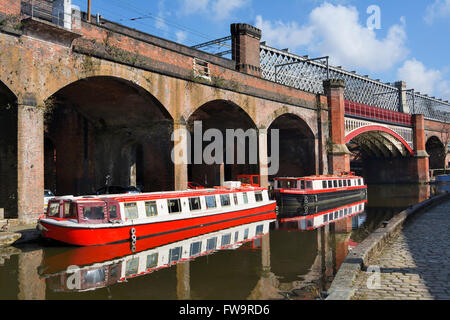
(123, 5)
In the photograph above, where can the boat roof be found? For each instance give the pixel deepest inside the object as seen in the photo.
(320, 177)
(160, 195)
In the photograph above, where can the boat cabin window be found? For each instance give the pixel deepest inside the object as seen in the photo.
(324, 184)
(174, 205)
(236, 236)
(330, 184)
(131, 211)
(95, 276)
(151, 209)
(175, 254)
(196, 248)
(246, 234)
(245, 197)
(330, 216)
(236, 201)
(302, 184)
(226, 240)
(308, 185)
(195, 204)
(335, 183)
(94, 212)
(211, 202)
(325, 218)
(344, 182)
(211, 244)
(287, 184)
(53, 209)
(258, 196)
(132, 267)
(336, 214)
(259, 229)
(113, 211)
(340, 183)
(225, 200)
(70, 210)
(152, 260)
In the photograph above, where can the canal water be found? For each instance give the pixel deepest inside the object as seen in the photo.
(293, 258)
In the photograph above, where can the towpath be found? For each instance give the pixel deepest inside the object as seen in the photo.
(414, 265)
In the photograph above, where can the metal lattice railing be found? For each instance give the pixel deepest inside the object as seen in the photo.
(430, 107)
(309, 76)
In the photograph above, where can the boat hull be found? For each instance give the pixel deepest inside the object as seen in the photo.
(89, 236)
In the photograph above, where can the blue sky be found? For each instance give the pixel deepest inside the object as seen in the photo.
(411, 45)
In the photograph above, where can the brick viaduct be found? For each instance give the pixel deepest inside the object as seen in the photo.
(78, 105)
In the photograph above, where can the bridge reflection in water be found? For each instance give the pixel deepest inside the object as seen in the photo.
(293, 257)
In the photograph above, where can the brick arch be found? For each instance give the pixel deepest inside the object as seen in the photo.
(190, 113)
(140, 78)
(133, 85)
(4, 87)
(283, 111)
(375, 128)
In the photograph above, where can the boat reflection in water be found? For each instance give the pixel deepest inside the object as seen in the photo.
(89, 268)
(313, 217)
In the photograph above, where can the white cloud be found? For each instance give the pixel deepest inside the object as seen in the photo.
(194, 6)
(217, 9)
(335, 30)
(284, 35)
(427, 81)
(160, 22)
(223, 8)
(181, 36)
(438, 9)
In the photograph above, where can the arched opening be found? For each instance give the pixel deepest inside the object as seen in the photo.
(107, 130)
(8, 151)
(380, 156)
(221, 124)
(436, 150)
(297, 156)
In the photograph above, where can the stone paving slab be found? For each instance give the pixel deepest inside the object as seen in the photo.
(414, 265)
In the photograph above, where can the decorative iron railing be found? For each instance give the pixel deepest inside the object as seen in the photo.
(299, 72)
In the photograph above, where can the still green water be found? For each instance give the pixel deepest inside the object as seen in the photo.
(258, 261)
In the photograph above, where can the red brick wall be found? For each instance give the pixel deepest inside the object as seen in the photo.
(10, 7)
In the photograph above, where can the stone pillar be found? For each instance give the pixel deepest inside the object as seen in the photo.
(421, 157)
(180, 155)
(222, 174)
(403, 105)
(265, 253)
(338, 153)
(31, 287)
(30, 160)
(183, 281)
(263, 158)
(245, 41)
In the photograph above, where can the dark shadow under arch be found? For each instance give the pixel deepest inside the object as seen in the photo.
(8, 151)
(93, 121)
(222, 115)
(297, 146)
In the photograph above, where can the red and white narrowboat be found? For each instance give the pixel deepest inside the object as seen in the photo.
(106, 219)
(317, 189)
(102, 266)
